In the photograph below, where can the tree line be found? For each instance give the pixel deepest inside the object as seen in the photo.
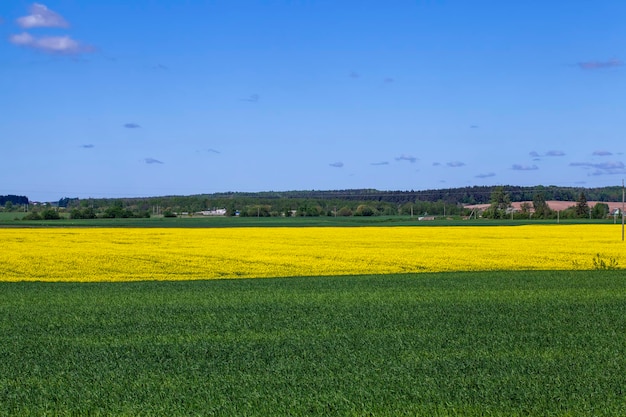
(500, 207)
(355, 202)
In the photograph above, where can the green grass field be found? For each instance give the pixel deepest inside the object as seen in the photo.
(458, 344)
(13, 219)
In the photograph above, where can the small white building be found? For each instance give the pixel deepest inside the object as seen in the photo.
(213, 212)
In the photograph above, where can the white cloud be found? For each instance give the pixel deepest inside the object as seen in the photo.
(41, 16)
(50, 44)
(22, 39)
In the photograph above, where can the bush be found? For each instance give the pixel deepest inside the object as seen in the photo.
(32, 215)
(50, 214)
(364, 210)
(344, 211)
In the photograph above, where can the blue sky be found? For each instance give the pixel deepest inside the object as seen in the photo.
(146, 98)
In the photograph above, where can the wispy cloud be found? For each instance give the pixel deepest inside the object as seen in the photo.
(487, 175)
(41, 16)
(602, 153)
(519, 167)
(404, 157)
(50, 44)
(336, 164)
(536, 154)
(379, 163)
(389, 80)
(87, 146)
(593, 65)
(436, 164)
(253, 98)
(209, 150)
(455, 164)
(473, 126)
(131, 126)
(604, 168)
(354, 75)
(603, 165)
(153, 161)
(160, 67)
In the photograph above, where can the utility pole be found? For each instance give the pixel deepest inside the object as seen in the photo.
(622, 210)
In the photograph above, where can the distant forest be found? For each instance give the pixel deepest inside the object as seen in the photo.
(359, 202)
(13, 199)
(353, 202)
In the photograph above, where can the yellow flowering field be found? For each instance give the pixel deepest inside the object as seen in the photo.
(114, 254)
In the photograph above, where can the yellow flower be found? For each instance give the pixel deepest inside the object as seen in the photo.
(182, 254)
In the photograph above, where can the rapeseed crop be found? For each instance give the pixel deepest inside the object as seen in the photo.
(113, 254)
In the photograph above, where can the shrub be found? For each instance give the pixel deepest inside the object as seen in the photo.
(32, 215)
(600, 263)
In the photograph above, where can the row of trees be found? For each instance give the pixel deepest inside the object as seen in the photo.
(501, 207)
(362, 202)
(13, 200)
(247, 206)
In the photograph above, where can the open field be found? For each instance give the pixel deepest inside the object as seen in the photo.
(360, 325)
(555, 205)
(454, 344)
(13, 219)
(133, 254)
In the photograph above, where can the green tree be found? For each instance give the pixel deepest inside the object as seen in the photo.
(344, 211)
(500, 204)
(32, 215)
(542, 210)
(8, 206)
(50, 214)
(600, 210)
(76, 214)
(582, 208)
(364, 210)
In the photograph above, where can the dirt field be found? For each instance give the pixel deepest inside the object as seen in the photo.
(554, 205)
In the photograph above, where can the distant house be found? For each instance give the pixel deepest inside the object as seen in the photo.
(214, 212)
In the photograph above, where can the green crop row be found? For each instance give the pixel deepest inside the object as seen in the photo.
(457, 344)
